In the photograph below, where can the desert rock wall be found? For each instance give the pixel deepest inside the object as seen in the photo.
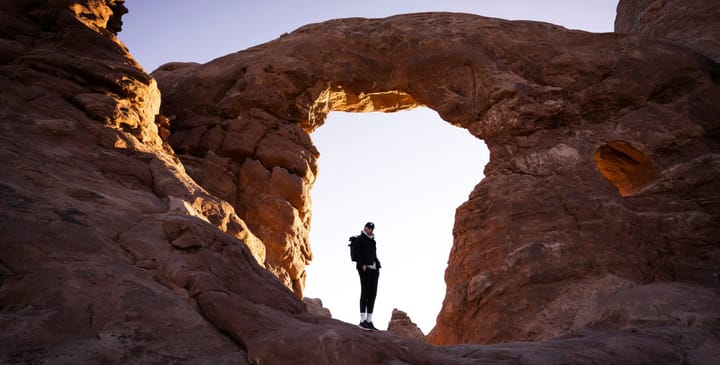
(691, 23)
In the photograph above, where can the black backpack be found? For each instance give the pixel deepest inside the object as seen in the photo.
(354, 248)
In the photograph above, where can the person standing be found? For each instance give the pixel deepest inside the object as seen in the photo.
(363, 252)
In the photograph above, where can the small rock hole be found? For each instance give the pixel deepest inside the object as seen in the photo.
(626, 167)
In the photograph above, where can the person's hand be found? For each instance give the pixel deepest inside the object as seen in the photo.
(364, 267)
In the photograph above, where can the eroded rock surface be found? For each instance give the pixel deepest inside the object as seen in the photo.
(315, 307)
(401, 324)
(117, 248)
(693, 23)
(106, 243)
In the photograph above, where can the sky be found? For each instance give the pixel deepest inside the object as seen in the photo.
(406, 171)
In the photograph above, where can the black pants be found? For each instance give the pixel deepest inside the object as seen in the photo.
(368, 289)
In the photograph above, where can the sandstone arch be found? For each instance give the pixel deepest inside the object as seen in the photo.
(537, 94)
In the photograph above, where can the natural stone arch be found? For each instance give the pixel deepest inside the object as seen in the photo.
(539, 96)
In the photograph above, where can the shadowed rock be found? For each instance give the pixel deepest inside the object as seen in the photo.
(315, 306)
(401, 324)
(691, 23)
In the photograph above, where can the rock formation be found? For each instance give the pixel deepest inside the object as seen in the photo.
(592, 139)
(315, 307)
(692, 23)
(598, 217)
(401, 324)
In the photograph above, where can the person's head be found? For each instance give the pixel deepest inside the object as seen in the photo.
(369, 227)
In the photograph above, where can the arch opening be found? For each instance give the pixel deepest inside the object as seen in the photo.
(407, 172)
(626, 167)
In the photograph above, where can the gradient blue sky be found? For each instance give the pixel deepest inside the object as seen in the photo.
(405, 171)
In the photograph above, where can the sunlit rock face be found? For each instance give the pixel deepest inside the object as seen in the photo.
(598, 217)
(107, 245)
(601, 175)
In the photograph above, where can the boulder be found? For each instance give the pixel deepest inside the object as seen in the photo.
(315, 307)
(401, 324)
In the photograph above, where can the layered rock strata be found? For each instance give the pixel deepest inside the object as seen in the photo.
(116, 250)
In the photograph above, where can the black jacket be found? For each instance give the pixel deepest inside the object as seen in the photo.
(366, 252)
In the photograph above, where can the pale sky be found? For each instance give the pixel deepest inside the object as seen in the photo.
(407, 171)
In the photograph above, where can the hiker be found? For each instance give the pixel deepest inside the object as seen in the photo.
(362, 251)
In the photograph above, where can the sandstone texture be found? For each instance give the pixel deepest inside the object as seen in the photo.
(401, 324)
(315, 307)
(135, 234)
(693, 23)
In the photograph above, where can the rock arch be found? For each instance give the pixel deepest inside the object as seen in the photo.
(543, 223)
